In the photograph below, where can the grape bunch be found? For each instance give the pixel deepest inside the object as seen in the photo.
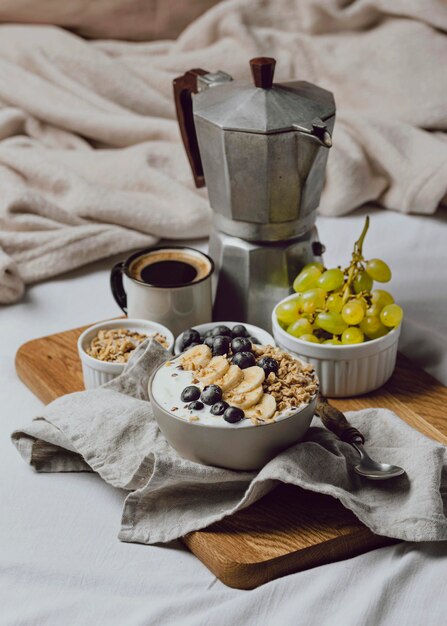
(336, 306)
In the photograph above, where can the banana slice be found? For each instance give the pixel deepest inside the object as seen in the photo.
(264, 410)
(244, 400)
(253, 377)
(216, 368)
(196, 357)
(232, 378)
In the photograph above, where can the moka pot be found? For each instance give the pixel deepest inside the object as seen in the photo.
(261, 149)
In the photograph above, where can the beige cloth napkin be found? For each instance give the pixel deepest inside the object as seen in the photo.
(112, 431)
(90, 157)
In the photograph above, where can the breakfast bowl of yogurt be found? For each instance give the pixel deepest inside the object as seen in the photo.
(236, 410)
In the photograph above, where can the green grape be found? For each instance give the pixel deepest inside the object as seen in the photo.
(372, 327)
(352, 335)
(331, 322)
(331, 279)
(309, 337)
(334, 302)
(301, 326)
(362, 282)
(333, 342)
(381, 297)
(383, 330)
(363, 303)
(306, 279)
(391, 315)
(287, 312)
(374, 310)
(319, 266)
(378, 270)
(353, 312)
(312, 300)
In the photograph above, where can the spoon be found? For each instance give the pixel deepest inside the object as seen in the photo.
(336, 422)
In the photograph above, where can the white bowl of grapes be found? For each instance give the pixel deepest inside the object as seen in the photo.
(343, 322)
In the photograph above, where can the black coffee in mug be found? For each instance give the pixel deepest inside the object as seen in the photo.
(164, 273)
(169, 285)
(169, 267)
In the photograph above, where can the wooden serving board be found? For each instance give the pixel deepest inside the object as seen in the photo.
(289, 530)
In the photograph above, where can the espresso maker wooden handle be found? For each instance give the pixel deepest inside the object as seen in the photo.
(336, 422)
(184, 86)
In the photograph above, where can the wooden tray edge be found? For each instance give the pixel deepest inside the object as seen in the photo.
(251, 575)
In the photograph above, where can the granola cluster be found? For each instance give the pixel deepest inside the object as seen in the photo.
(295, 382)
(116, 345)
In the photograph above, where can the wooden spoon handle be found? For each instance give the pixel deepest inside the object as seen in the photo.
(336, 422)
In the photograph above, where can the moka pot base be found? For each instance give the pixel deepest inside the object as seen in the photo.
(251, 278)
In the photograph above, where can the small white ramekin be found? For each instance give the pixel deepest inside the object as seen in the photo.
(264, 337)
(97, 372)
(344, 371)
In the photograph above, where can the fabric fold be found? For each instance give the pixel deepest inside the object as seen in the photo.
(112, 430)
(12, 285)
(88, 130)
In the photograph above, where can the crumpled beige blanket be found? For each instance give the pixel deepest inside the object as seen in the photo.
(90, 157)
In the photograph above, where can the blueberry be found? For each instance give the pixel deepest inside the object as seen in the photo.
(221, 345)
(208, 333)
(190, 336)
(209, 341)
(191, 393)
(233, 415)
(195, 406)
(211, 394)
(268, 364)
(241, 344)
(255, 340)
(219, 408)
(221, 330)
(244, 359)
(239, 331)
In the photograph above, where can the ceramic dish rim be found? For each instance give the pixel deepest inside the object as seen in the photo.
(225, 323)
(127, 322)
(387, 339)
(226, 428)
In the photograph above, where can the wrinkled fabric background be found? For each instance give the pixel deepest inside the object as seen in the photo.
(90, 157)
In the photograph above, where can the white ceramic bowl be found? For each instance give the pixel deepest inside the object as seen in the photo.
(264, 337)
(344, 371)
(247, 448)
(97, 372)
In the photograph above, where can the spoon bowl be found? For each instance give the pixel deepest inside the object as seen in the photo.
(336, 422)
(373, 469)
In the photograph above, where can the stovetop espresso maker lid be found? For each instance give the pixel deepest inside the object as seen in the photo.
(266, 107)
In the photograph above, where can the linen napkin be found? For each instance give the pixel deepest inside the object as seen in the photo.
(112, 431)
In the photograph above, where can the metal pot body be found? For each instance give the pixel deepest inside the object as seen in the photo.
(262, 186)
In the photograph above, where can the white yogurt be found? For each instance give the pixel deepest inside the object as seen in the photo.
(167, 386)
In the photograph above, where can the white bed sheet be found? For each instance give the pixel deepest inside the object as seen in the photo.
(60, 560)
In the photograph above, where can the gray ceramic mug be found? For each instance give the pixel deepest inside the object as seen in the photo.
(170, 285)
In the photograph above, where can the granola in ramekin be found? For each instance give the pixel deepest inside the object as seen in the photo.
(115, 345)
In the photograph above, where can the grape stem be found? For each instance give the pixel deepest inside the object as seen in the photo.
(358, 246)
(356, 262)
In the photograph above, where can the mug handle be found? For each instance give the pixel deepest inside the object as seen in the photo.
(116, 285)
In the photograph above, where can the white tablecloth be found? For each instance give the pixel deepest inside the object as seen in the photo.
(60, 561)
